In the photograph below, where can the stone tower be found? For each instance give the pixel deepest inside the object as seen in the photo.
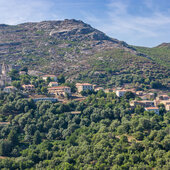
(4, 69)
(4, 78)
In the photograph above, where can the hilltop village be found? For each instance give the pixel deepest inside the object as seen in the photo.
(48, 122)
(47, 87)
(73, 98)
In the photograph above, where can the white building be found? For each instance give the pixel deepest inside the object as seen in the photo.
(22, 73)
(98, 88)
(10, 89)
(52, 77)
(53, 84)
(60, 90)
(28, 87)
(167, 107)
(154, 109)
(84, 86)
(120, 93)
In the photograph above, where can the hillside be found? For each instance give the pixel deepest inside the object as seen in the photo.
(47, 125)
(60, 44)
(160, 53)
(106, 134)
(80, 52)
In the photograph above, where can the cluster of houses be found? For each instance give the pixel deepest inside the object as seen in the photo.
(148, 100)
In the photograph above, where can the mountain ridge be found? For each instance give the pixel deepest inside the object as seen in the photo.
(73, 48)
(22, 39)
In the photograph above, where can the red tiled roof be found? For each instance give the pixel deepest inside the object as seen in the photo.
(54, 82)
(9, 87)
(164, 95)
(83, 84)
(98, 88)
(58, 87)
(27, 85)
(144, 101)
(122, 90)
(152, 108)
(48, 75)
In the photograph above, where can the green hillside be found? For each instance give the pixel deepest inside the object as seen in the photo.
(117, 67)
(159, 54)
(95, 131)
(107, 134)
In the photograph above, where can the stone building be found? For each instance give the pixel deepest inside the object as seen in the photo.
(83, 87)
(60, 90)
(4, 77)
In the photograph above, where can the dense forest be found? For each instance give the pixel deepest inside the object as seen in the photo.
(106, 133)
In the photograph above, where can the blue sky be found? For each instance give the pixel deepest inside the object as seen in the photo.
(137, 22)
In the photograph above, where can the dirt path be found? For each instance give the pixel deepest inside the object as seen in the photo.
(130, 138)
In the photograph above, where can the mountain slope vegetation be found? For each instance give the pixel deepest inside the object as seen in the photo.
(102, 131)
(160, 54)
(107, 134)
(82, 53)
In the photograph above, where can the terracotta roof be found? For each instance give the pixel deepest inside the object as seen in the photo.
(139, 91)
(83, 84)
(144, 101)
(10, 87)
(48, 75)
(164, 95)
(27, 85)
(58, 87)
(152, 108)
(98, 88)
(4, 123)
(53, 82)
(122, 90)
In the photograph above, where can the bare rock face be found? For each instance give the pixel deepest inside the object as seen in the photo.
(54, 46)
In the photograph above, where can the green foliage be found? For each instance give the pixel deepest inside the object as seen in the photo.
(106, 134)
(14, 74)
(13, 137)
(37, 138)
(159, 54)
(44, 90)
(129, 95)
(16, 84)
(61, 78)
(72, 86)
(24, 69)
(5, 148)
(101, 93)
(117, 67)
(156, 85)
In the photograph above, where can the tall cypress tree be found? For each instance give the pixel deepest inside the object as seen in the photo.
(37, 138)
